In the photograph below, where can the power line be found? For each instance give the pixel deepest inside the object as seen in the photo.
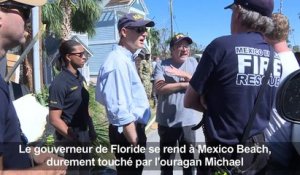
(281, 6)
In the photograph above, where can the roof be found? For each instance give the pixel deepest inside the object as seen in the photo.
(117, 2)
(86, 48)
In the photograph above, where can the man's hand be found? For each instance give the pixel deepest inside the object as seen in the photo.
(130, 133)
(179, 73)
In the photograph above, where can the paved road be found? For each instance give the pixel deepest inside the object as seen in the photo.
(152, 137)
(153, 140)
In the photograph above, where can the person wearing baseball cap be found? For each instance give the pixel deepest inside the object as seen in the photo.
(13, 17)
(23, 7)
(179, 37)
(171, 79)
(132, 20)
(226, 83)
(263, 7)
(120, 90)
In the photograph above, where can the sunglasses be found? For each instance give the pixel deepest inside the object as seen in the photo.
(80, 54)
(138, 30)
(22, 10)
(183, 46)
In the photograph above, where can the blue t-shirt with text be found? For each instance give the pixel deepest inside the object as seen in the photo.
(229, 75)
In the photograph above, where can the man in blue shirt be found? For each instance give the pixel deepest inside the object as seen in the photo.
(13, 15)
(227, 80)
(121, 91)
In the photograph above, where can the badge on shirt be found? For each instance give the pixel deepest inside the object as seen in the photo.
(74, 88)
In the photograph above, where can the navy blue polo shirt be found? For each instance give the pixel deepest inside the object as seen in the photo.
(69, 93)
(230, 75)
(10, 133)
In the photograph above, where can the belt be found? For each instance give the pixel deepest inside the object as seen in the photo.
(140, 125)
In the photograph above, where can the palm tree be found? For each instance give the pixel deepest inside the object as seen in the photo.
(64, 16)
(61, 18)
(154, 40)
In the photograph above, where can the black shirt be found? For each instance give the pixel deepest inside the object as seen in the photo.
(229, 75)
(69, 93)
(10, 133)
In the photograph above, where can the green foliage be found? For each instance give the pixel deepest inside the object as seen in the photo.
(84, 15)
(52, 16)
(49, 140)
(43, 96)
(220, 173)
(97, 113)
(83, 19)
(154, 40)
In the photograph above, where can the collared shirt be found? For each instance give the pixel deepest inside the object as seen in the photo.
(120, 89)
(68, 93)
(3, 62)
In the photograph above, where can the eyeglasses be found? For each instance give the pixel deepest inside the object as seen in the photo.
(138, 30)
(183, 46)
(80, 54)
(22, 10)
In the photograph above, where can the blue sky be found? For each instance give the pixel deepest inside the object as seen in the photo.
(204, 20)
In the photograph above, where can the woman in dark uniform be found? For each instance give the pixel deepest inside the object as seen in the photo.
(68, 102)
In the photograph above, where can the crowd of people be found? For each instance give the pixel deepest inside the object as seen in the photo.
(230, 94)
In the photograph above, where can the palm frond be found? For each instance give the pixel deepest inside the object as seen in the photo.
(52, 16)
(97, 113)
(85, 17)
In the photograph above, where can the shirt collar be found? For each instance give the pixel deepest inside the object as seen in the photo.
(127, 52)
(71, 75)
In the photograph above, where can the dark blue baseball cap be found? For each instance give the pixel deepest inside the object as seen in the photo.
(179, 37)
(134, 20)
(263, 7)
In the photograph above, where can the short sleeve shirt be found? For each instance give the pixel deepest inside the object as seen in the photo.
(229, 75)
(10, 133)
(170, 109)
(69, 93)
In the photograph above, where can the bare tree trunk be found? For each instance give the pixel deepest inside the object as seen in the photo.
(66, 27)
(27, 77)
(29, 72)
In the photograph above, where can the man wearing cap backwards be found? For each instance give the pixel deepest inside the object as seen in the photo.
(226, 84)
(279, 131)
(121, 91)
(171, 78)
(13, 159)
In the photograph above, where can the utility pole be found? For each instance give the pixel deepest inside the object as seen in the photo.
(171, 14)
(281, 6)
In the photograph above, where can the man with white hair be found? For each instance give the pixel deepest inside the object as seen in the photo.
(120, 90)
(226, 84)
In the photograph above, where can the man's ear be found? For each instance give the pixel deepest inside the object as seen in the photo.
(123, 32)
